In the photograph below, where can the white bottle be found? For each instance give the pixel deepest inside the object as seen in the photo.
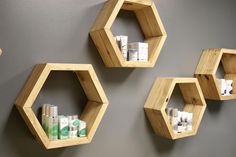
(168, 112)
(174, 119)
(53, 123)
(122, 42)
(43, 117)
(46, 118)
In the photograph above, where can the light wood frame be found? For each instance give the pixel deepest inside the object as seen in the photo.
(150, 23)
(207, 68)
(159, 97)
(92, 114)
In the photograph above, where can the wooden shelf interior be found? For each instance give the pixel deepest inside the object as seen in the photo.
(150, 23)
(92, 114)
(159, 97)
(0, 52)
(207, 68)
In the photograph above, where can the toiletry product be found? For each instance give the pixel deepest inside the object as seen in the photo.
(180, 116)
(174, 119)
(189, 127)
(142, 50)
(184, 116)
(189, 121)
(63, 127)
(72, 132)
(53, 123)
(122, 42)
(43, 116)
(229, 87)
(222, 86)
(133, 55)
(82, 129)
(180, 128)
(184, 125)
(74, 121)
(168, 112)
(47, 118)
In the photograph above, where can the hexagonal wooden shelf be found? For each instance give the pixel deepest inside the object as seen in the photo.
(151, 25)
(159, 97)
(207, 68)
(92, 114)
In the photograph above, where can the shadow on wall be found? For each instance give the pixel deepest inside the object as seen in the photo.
(214, 106)
(17, 135)
(161, 144)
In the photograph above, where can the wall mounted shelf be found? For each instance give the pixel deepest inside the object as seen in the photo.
(0, 52)
(207, 68)
(159, 97)
(92, 114)
(151, 25)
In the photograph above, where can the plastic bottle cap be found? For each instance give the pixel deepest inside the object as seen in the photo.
(48, 109)
(44, 109)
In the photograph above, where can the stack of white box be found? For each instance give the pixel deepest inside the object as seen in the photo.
(136, 51)
(226, 87)
(181, 121)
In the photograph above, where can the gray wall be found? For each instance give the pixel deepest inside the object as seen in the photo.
(57, 31)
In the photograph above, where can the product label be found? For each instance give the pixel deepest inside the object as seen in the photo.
(133, 55)
(64, 131)
(75, 123)
(82, 132)
(53, 131)
(73, 134)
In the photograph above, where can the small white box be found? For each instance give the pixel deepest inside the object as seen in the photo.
(63, 127)
(189, 127)
(82, 132)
